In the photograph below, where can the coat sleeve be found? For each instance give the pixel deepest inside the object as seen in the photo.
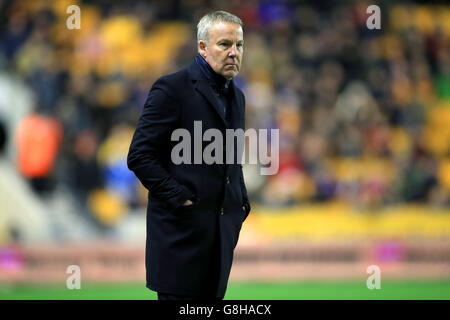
(159, 118)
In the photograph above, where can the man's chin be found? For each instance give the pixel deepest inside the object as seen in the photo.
(230, 74)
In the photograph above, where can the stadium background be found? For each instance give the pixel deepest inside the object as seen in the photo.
(364, 119)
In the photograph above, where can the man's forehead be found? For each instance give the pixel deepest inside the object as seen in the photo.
(226, 30)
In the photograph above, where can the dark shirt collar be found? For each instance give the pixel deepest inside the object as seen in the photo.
(215, 79)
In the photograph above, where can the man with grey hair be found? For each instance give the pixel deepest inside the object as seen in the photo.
(195, 210)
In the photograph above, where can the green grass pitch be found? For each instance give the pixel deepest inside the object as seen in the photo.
(332, 290)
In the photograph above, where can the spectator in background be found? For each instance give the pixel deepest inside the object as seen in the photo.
(38, 138)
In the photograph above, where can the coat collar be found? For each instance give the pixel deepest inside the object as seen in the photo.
(202, 85)
(214, 79)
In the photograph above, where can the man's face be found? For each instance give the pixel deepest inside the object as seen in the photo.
(224, 49)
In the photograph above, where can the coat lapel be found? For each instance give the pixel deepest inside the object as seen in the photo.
(202, 86)
(236, 109)
(205, 89)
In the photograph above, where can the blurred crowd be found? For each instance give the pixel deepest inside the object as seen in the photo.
(364, 115)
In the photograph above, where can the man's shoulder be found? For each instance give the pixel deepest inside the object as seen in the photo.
(172, 81)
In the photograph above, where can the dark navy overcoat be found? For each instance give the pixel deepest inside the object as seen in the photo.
(182, 240)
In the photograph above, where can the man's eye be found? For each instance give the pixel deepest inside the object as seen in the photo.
(239, 44)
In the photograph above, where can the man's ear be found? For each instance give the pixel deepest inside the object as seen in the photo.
(202, 47)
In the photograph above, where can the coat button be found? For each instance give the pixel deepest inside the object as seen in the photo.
(221, 211)
(228, 180)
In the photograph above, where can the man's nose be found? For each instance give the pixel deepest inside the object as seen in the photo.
(233, 51)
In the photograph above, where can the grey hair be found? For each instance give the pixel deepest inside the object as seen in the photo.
(209, 19)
